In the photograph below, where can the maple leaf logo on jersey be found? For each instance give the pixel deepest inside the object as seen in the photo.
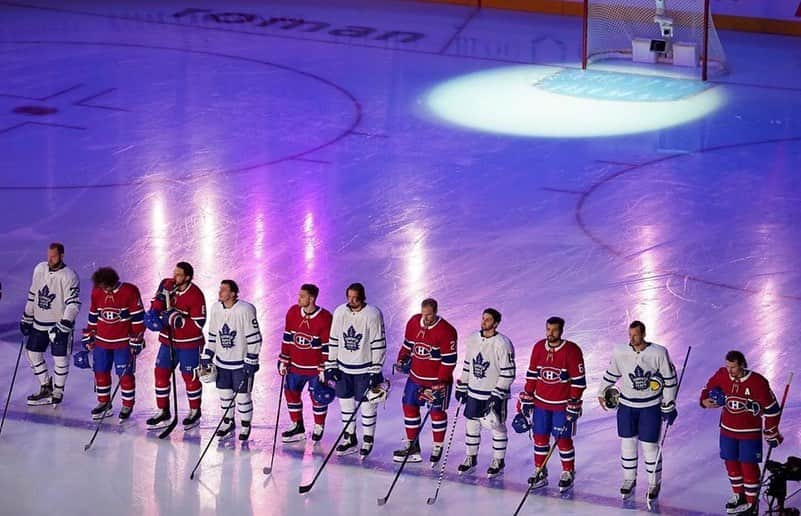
(480, 366)
(352, 339)
(227, 337)
(640, 380)
(45, 298)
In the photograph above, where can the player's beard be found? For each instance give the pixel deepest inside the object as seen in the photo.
(553, 340)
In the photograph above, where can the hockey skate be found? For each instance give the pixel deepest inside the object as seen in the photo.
(244, 434)
(653, 494)
(468, 466)
(410, 448)
(736, 504)
(348, 444)
(627, 489)
(495, 468)
(160, 420)
(436, 455)
(192, 419)
(227, 429)
(295, 433)
(317, 433)
(102, 410)
(57, 397)
(44, 396)
(566, 481)
(539, 479)
(367, 446)
(125, 413)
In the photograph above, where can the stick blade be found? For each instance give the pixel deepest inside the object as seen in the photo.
(267, 470)
(304, 488)
(382, 501)
(431, 500)
(87, 446)
(167, 431)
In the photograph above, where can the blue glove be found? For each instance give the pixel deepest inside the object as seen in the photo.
(333, 375)
(374, 380)
(26, 325)
(525, 404)
(60, 333)
(432, 396)
(718, 396)
(773, 437)
(137, 344)
(573, 410)
(250, 369)
(153, 320)
(461, 392)
(82, 359)
(206, 358)
(88, 339)
(669, 413)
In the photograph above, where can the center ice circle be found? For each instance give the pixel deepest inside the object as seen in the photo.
(547, 102)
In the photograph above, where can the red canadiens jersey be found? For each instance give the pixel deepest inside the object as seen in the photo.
(116, 316)
(749, 399)
(192, 305)
(305, 343)
(432, 348)
(555, 374)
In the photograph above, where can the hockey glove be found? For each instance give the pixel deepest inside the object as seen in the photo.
(282, 368)
(88, 339)
(172, 319)
(250, 369)
(669, 412)
(573, 410)
(60, 333)
(525, 403)
(206, 358)
(461, 392)
(153, 320)
(773, 437)
(137, 344)
(26, 325)
(432, 396)
(403, 366)
(495, 402)
(333, 375)
(374, 380)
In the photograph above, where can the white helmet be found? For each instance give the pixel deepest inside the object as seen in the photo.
(206, 374)
(378, 394)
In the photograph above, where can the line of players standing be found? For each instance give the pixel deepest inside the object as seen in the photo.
(342, 356)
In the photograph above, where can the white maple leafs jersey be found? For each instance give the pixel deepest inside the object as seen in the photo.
(53, 296)
(234, 337)
(357, 343)
(489, 366)
(645, 378)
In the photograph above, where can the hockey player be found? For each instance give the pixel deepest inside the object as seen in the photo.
(555, 383)
(356, 351)
(48, 319)
(180, 326)
(114, 336)
(647, 398)
(304, 351)
(748, 405)
(233, 346)
(430, 346)
(483, 386)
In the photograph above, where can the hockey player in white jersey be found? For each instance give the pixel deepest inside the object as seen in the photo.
(356, 350)
(49, 317)
(232, 346)
(487, 374)
(647, 387)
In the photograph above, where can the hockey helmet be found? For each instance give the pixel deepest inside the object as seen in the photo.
(521, 424)
(82, 359)
(718, 396)
(322, 393)
(206, 374)
(378, 394)
(153, 320)
(611, 397)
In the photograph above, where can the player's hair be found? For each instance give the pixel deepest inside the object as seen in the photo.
(637, 324)
(187, 268)
(232, 285)
(495, 314)
(58, 246)
(311, 289)
(737, 356)
(359, 289)
(105, 277)
(556, 320)
(430, 301)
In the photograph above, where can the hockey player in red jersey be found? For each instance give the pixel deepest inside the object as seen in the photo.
(114, 336)
(430, 344)
(304, 350)
(178, 313)
(749, 405)
(555, 382)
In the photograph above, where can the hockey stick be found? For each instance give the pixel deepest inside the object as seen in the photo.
(770, 450)
(657, 463)
(269, 469)
(305, 488)
(383, 500)
(433, 499)
(111, 400)
(11, 387)
(540, 469)
(167, 431)
(219, 424)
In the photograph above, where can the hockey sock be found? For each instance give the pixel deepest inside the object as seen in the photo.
(369, 417)
(320, 412)
(750, 480)
(226, 402)
(567, 453)
(411, 420)
(472, 435)
(244, 405)
(347, 406)
(194, 390)
(103, 386)
(61, 368)
(654, 469)
(628, 457)
(162, 388)
(128, 389)
(500, 439)
(294, 405)
(38, 366)
(735, 476)
(541, 447)
(439, 425)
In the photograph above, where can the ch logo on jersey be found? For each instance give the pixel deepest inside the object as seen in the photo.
(227, 337)
(480, 366)
(302, 341)
(640, 380)
(352, 339)
(45, 298)
(737, 405)
(421, 350)
(110, 315)
(553, 375)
